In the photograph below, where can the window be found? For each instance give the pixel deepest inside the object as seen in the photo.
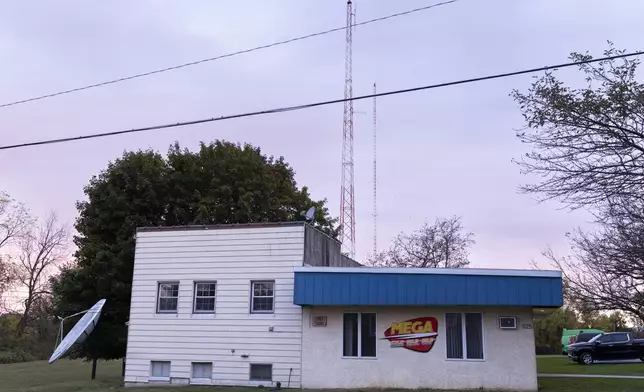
(262, 297)
(261, 372)
(160, 369)
(168, 297)
(615, 338)
(359, 335)
(464, 335)
(205, 297)
(202, 370)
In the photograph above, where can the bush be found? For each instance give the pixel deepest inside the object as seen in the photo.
(15, 357)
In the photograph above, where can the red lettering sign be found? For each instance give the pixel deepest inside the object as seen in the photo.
(417, 334)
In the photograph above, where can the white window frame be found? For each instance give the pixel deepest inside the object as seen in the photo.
(250, 372)
(359, 335)
(160, 378)
(194, 298)
(252, 297)
(200, 380)
(464, 337)
(159, 297)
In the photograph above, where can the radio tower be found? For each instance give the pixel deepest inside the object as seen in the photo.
(347, 206)
(375, 184)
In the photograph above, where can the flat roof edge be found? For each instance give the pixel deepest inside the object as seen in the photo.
(218, 226)
(435, 271)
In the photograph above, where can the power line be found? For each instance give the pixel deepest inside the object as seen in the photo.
(319, 103)
(175, 67)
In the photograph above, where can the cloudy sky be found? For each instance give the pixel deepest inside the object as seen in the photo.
(441, 152)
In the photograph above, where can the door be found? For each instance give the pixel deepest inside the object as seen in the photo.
(623, 347)
(613, 346)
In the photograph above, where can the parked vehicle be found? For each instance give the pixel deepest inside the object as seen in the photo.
(606, 347)
(583, 337)
(570, 336)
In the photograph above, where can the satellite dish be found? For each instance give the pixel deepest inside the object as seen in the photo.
(310, 213)
(80, 332)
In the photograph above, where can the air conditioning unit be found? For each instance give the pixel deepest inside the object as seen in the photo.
(507, 322)
(318, 321)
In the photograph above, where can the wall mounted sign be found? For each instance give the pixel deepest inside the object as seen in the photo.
(417, 334)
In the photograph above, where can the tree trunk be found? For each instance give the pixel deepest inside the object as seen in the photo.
(22, 324)
(123, 368)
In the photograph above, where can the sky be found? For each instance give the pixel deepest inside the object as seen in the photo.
(441, 152)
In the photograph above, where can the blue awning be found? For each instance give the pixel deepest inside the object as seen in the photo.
(325, 286)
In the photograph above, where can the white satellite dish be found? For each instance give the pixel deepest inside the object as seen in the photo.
(80, 332)
(310, 213)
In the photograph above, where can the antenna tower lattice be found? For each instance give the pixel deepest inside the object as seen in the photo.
(375, 183)
(347, 206)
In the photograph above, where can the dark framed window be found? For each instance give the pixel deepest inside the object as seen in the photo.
(359, 335)
(168, 297)
(204, 297)
(262, 296)
(464, 336)
(261, 372)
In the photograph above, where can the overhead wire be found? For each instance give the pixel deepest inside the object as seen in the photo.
(319, 103)
(192, 63)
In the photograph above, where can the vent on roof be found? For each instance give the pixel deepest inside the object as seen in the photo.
(318, 321)
(507, 322)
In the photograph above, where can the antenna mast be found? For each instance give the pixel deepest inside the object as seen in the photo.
(347, 207)
(375, 184)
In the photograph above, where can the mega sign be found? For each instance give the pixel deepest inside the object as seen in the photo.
(417, 334)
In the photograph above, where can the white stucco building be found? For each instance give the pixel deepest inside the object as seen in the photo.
(259, 304)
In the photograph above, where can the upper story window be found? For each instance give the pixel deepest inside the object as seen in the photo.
(205, 293)
(168, 297)
(464, 336)
(262, 298)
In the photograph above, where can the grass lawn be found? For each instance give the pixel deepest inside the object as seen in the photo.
(68, 376)
(589, 384)
(561, 364)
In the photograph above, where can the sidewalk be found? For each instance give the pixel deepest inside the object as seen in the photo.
(557, 375)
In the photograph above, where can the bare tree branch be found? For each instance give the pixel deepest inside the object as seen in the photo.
(14, 220)
(588, 143)
(442, 244)
(40, 251)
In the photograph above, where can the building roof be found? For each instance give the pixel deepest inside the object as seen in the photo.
(220, 226)
(364, 286)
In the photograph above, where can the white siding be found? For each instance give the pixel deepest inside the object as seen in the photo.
(233, 258)
(509, 363)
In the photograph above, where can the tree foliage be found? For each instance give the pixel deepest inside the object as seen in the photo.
(548, 330)
(588, 151)
(220, 183)
(442, 244)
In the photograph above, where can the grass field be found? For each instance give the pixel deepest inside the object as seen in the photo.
(561, 364)
(68, 376)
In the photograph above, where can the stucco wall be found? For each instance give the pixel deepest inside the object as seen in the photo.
(509, 354)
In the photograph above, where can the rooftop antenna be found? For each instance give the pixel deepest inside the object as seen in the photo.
(375, 183)
(347, 207)
(310, 214)
(79, 332)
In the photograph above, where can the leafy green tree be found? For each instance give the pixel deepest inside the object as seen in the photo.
(220, 183)
(548, 330)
